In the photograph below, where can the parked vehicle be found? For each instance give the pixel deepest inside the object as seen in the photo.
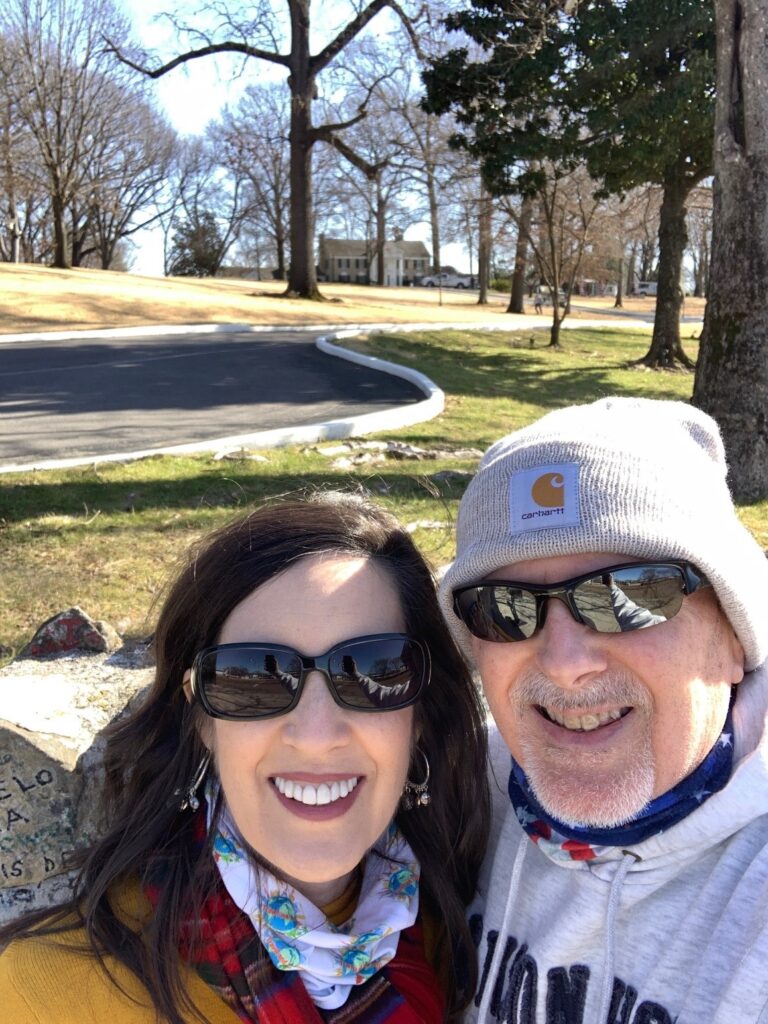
(646, 288)
(447, 279)
(546, 297)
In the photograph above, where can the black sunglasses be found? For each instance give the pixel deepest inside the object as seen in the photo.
(617, 599)
(382, 672)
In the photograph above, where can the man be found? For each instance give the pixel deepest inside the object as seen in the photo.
(617, 612)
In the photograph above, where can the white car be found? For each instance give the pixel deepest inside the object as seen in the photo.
(646, 288)
(445, 279)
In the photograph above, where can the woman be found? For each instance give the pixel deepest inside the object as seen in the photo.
(297, 812)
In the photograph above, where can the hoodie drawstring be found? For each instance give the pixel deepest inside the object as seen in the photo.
(514, 885)
(614, 897)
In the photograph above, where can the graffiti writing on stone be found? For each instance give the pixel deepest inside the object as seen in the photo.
(36, 823)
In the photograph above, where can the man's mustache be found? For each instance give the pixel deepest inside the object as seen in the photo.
(615, 688)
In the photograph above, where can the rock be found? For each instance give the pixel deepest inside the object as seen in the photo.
(361, 459)
(238, 455)
(393, 450)
(71, 630)
(349, 446)
(400, 450)
(51, 754)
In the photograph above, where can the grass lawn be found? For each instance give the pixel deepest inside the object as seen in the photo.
(106, 537)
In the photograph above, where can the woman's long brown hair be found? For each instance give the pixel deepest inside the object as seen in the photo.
(153, 751)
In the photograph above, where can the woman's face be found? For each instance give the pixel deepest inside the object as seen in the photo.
(318, 602)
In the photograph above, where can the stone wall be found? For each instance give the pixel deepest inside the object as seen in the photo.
(52, 713)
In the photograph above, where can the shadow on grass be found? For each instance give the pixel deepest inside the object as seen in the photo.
(133, 504)
(533, 375)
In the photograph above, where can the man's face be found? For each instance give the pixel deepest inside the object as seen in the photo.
(603, 723)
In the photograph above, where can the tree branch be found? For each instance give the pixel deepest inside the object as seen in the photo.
(333, 49)
(204, 51)
(369, 170)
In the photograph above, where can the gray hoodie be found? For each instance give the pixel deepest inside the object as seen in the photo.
(673, 930)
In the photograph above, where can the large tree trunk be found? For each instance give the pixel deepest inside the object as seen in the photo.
(732, 373)
(61, 257)
(666, 351)
(517, 294)
(302, 277)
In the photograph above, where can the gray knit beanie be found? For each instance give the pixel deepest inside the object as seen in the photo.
(628, 476)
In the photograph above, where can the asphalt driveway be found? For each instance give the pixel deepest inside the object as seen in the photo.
(93, 396)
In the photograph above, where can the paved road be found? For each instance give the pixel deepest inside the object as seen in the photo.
(93, 396)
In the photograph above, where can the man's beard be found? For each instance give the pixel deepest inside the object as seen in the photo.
(589, 788)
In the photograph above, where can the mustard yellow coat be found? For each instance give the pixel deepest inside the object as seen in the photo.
(47, 981)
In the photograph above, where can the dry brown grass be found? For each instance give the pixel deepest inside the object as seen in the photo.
(34, 298)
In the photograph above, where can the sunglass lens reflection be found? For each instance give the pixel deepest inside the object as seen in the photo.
(245, 684)
(498, 613)
(377, 676)
(630, 599)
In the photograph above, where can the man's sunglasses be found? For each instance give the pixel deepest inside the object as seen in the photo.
(617, 599)
(382, 672)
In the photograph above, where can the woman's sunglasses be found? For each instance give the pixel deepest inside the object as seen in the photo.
(383, 672)
(617, 599)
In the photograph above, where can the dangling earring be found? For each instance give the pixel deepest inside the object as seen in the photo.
(416, 794)
(190, 799)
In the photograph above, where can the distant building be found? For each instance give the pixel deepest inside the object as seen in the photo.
(350, 260)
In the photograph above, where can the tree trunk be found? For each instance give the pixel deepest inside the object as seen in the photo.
(554, 331)
(484, 248)
(646, 261)
(619, 303)
(517, 294)
(61, 258)
(381, 233)
(434, 220)
(732, 373)
(666, 351)
(631, 268)
(302, 277)
(280, 250)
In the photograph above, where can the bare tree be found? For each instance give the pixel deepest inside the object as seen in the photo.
(253, 145)
(209, 203)
(564, 207)
(259, 33)
(21, 195)
(381, 176)
(125, 175)
(57, 85)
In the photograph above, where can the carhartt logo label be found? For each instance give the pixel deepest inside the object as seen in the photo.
(549, 490)
(543, 497)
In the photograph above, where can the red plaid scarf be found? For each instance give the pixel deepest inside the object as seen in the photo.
(229, 957)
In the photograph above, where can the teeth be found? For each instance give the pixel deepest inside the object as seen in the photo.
(312, 796)
(585, 723)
